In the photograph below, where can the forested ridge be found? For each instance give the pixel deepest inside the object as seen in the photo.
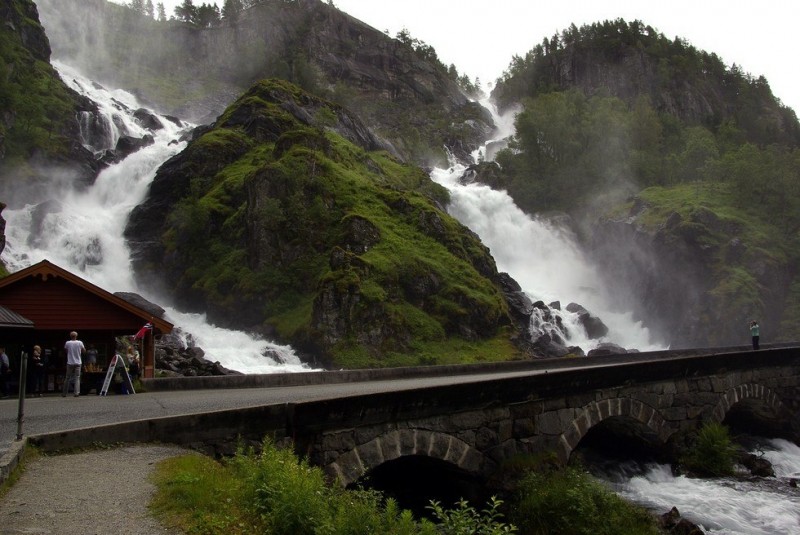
(619, 123)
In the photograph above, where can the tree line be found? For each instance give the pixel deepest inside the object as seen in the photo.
(209, 15)
(205, 15)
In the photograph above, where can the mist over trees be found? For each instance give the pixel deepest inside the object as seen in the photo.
(576, 138)
(205, 15)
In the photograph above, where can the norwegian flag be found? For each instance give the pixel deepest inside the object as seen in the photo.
(143, 331)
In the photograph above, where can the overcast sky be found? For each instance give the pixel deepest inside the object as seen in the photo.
(481, 37)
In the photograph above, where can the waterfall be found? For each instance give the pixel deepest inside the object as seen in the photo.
(82, 230)
(542, 256)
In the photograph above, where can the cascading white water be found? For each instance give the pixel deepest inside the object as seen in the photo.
(724, 506)
(82, 231)
(541, 256)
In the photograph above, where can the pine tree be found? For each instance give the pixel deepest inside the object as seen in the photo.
(186, 12)
(149, 10)
(162, 13)
(231, 9)
(137, 6)
(207, 15)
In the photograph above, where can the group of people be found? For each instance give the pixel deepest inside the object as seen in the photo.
(75, 351)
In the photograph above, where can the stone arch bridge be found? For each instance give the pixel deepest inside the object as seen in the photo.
(476, 426)
(651, 399)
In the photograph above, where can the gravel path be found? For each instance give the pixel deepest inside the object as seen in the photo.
(95, 492)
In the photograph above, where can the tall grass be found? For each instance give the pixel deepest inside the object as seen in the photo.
(712, 453)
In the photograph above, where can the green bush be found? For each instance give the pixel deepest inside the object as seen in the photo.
(712, 454)
(274, 492)
(571, 502)
(466, 520)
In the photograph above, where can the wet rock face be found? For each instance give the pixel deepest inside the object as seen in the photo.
(17, 17)
(670, 277)
(594, 326)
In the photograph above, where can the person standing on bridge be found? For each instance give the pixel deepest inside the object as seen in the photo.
(74, 349)
(754, 333)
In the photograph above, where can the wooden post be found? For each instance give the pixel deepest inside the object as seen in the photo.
(148, 354)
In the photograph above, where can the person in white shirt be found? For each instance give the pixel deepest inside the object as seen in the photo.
(75, 349)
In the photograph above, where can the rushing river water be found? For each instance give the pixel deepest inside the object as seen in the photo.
(729, 506)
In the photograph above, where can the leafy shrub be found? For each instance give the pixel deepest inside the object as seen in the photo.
(571, 502)
(712, 454)
(466, 520)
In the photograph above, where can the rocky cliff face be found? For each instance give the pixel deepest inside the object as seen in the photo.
(691, 279)
(22, 18)
(39, 133)
(195, 73)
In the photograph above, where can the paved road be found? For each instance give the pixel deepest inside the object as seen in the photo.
(53, 413)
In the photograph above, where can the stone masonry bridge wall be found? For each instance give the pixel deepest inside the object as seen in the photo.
(477, 426)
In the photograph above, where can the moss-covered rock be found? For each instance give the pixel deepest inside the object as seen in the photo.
(274, 219)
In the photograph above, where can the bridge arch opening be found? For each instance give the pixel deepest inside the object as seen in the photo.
(755, 410)
(619, 438)
(755, 417)
(415, 480)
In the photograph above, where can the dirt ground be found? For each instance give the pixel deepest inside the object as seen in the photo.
(95, 492)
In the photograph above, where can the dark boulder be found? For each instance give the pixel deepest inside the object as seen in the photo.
(126, 145)
(519, 303)
(606, 349)
(594, 326)
(757, 465)
(148, 119)
(672, 522)
(174, 358)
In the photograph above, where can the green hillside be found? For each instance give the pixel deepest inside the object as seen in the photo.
(615, 116)
(281, 223)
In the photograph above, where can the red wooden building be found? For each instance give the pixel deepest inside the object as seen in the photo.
(57, 302)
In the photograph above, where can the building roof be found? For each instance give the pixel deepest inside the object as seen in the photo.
(56, 298)
(10, 319)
